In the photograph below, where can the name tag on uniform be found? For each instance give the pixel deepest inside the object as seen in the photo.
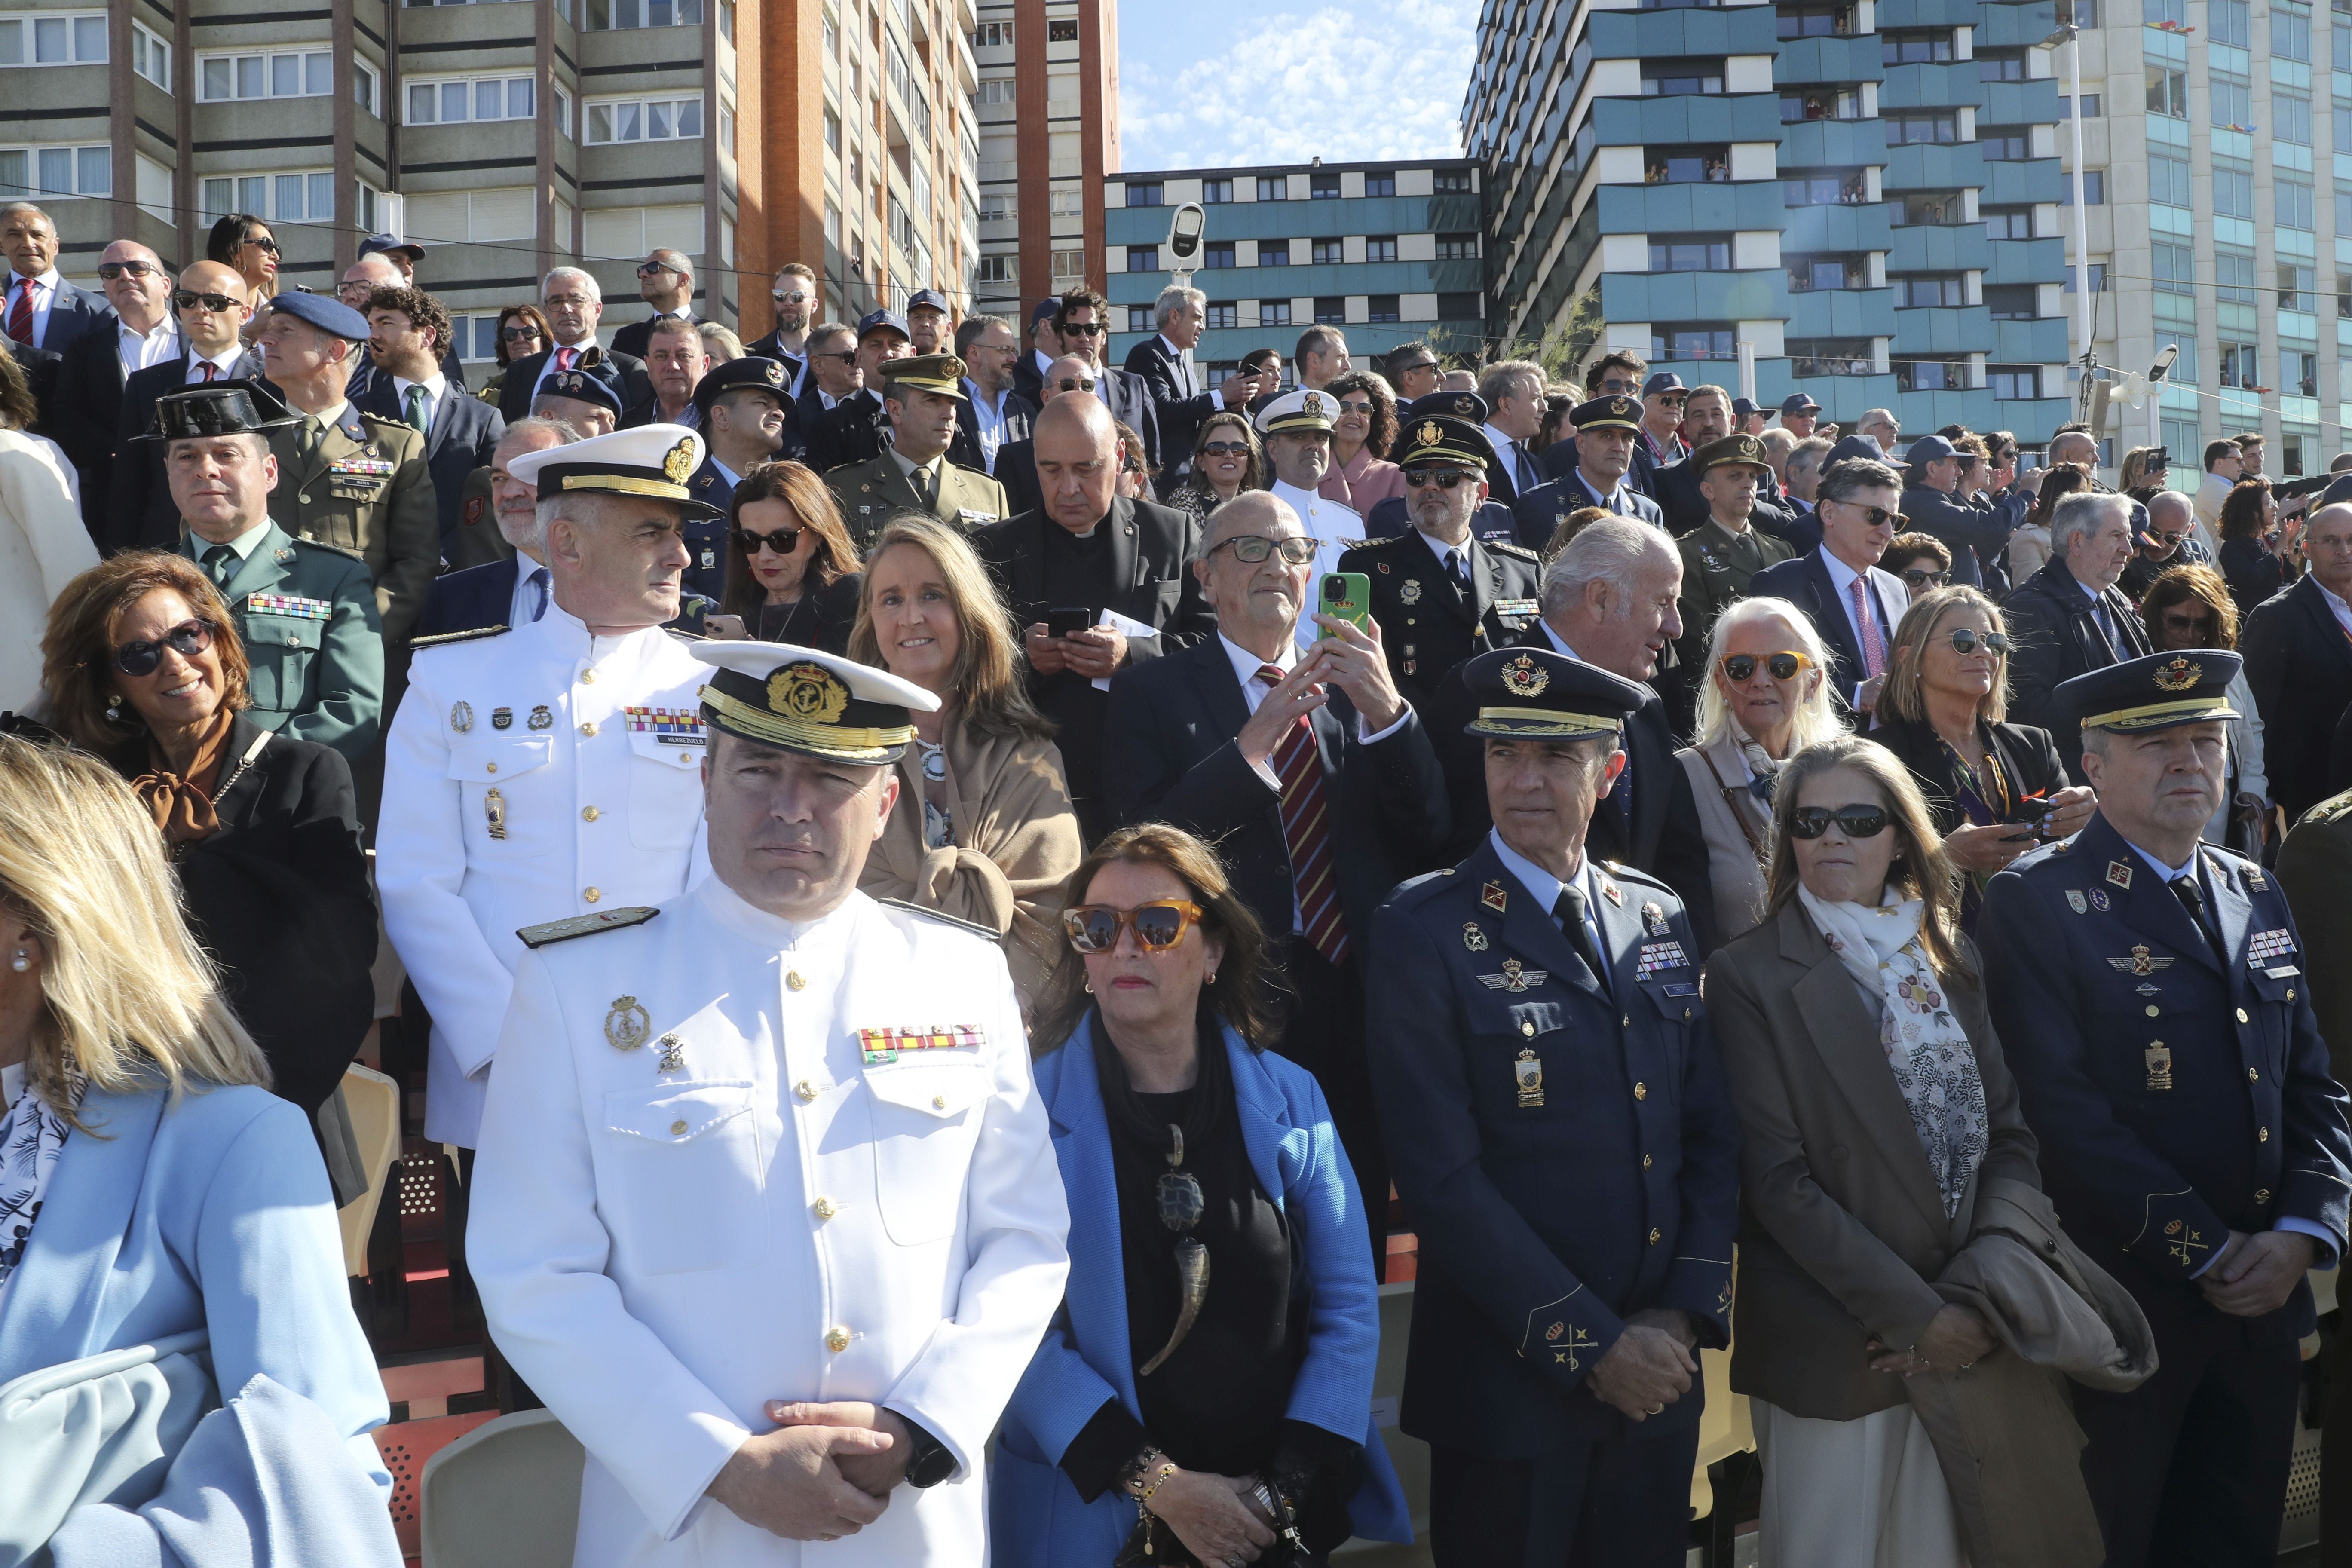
(884, 1045)
(292, 605)
(2266, 947)
(362, 467)
(1658, 955)
(670, 726)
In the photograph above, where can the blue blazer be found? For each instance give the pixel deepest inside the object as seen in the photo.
(469, 599)
(465, 432)
(214, 1214)
(1035, 1520)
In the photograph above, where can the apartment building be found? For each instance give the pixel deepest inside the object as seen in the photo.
(1389, 252)
(508, 137)
(1048, 111)
(1863, 192)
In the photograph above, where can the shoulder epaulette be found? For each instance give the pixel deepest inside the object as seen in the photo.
(323, 547)
(1412, 890)
(2330, 810)
(1511, 547)
(538, 936)
(472, 634)
(1383, 541)
(987, 934)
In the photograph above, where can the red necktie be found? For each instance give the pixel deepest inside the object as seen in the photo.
(20, 315)
(211, 370)
(1307, 833)
(564, 357)
(1874, 651)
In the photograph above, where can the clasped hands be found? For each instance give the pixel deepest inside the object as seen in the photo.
(1956, 1339)
(2255, 1273)
(825, 1472)
(1651, 1366)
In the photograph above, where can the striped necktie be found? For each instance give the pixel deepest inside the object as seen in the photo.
(1306, 834)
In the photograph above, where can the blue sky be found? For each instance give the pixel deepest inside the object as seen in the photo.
(1220, 83)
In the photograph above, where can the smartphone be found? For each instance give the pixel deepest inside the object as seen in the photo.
(1060, 620)
(1346, 596)
(727, 629)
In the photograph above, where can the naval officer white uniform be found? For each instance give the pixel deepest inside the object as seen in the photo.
(731, 1157)
(1335, 529)
(548, 770)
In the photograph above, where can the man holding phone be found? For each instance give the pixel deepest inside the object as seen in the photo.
(1439, 592)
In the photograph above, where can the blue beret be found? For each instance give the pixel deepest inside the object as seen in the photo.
(581, 386)
(323, 311)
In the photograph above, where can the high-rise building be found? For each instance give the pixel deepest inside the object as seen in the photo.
(1386, 252)
(1864, 191)
(509, 137)
(1048, 109)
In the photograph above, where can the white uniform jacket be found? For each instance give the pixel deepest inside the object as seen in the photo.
(530, 775)
(1338, 528)
(660, 1253)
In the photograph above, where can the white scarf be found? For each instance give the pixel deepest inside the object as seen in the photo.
(1929, 1053)
(31, 1134)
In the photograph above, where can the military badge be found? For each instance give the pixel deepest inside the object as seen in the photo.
(1408, 592)
(2255, 879)
(501, 718)
(2184, 1242)
(626, 1026)
(473, 510)
(2264, 947)
(2139, 962)
(1613, 892)
(494, 809)
(1654, 918)
(775, 374)
(461, 716)
(1528, 1072)
(667, 726)
(1472, 938)
(2159, 1065)
(1523, 677)
(673, 1055)
(2076, 902)
(2180, 674)
(809, 693)
(1515, 977)
(1565, 1355)
(2120, 875)
(2099, 899)
(1658, 955)
(1313, 403)
(1493, 897)
(541, 717)
(678, 463)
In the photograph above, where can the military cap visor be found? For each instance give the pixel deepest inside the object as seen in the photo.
(1732, 451)
(221, 408)
(1613, 412)
(942, 374)
(1534, 694)
(754, 372)
(652, 461)
(816, 704)
(2156, 691)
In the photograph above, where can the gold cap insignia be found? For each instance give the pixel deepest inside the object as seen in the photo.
(1465, 405)
(809, 693)
(1523, 677)
(1430, 433)
(678, 462)
(2178, 675)
(1314, 403)
(775, 374)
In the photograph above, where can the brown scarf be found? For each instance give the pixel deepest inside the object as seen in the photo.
(182, 803)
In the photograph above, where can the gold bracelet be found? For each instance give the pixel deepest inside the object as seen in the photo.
(1144, 1500)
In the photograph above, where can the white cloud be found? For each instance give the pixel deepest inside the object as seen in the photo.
(1348, 86)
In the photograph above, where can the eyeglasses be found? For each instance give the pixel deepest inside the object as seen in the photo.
(1964, 641)
(1417, 364)
(1444, 478)
(1920, 577)
(1854, 821)
(1615, 383)
(110, 270)
(846, 357)
(1080, 328)
(518, 334)
(1077, 384)
(1364, 408)
(187, 639)
(656, 269)
(1224, 448)
(798, 297)
(263, 242)
(783, 541)
(188, 300)
(351, 286)
(1251, 548)
(1158, 925)
(1877, 516)
(1782, 666)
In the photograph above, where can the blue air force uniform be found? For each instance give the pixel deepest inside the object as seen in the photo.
(1566, 1151)
(2179, 1093)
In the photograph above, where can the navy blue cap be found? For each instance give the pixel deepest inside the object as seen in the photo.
(1467, 405)
(1664, 381)
(1798, 402)
(2155, 691)
(874, 321)
(928, 298)
(1535, 694)
(1607, 413)
(1044, 308)
(581, 386)
(1865, 447)
(1930, 449)
(325, 312)
(384, 244)
(1742, 407)
(753, 370)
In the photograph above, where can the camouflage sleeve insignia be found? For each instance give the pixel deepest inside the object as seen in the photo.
(986, 933)
(472, 634)
(538, 936)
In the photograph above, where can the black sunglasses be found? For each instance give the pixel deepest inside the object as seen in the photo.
(1077, 384)
(1080, 328)
(846, 357)
(1779, 666)
(265, 242)
(518, 334)
(189, 298)
(187, 639)
(656, 269)
(1877, 514)
(783, 541)
(1920, 577)
(1444, 478)
(1224, 448)
(1964, 641)
(110, 270)
(1854, 821)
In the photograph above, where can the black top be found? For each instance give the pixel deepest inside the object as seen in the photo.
(821, 617)
(2252, 572)
(1077, 571)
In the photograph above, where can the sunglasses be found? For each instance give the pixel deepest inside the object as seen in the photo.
(1854, 821)
(1444, 478)
(264, 243)
(1920, 577)
(783, 541)
(1080, 329)
(1877, 516)
(1781, 666)
(846, 357)
(1417, 364)
(1159, 925)
(518, 334)
(788, 299)
(110, 270)
(1964, 640)
(1363, 409)
(1077, 384)
(1251, 548)
(188, 300)
(1224, 448)
(1613, 385)
(1666, 402)
(187, 639)
(656, 269)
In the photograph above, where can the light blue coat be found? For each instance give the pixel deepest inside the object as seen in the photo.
(212, 1214)
(1035, 1513)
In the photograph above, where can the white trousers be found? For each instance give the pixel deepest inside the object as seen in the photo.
(1865, 1493)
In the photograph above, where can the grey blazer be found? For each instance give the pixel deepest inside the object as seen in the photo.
(1734, 823)
(1842, 1230)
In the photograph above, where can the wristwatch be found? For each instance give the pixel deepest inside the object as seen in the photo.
(928, 1460)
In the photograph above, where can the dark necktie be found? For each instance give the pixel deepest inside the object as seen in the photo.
(1306, 834)
(420, 418)
(2192, 899)
(1523, 473)
(1459, 570)
(220, 564)
(211, 370)
(1570, 912)
(538, 581)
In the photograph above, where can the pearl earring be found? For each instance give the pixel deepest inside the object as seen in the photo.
(1089, 986)
(21, 961)
(1213, 977)
(114, 709)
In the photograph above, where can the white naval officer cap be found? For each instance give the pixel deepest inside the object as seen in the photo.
(1300, 409)
(652, 460)
(807, 701)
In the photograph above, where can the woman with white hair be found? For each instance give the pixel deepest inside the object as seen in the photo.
(1766, 698)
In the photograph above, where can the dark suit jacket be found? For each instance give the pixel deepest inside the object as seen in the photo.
(1174, 759)
(821, 617)
(1027, 379)
(139, 510)
(72, 312)
(848, 432)
(1805, 583)
(2299, 665)
(1538, 513)
(1969, 531)
(40, 368)
(1181, 402)
(965, 450)
(637, 336)
(86, 414)
(625, 372)
(769, 348)
(2027, 755)
(2053, 637)
(465, 432)
(470, 599)
(1016, 470)
(1802, 531)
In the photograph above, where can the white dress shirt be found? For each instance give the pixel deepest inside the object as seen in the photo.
(143, 351)
(2335, 607)
(1507, 452)
(1336, 528)
(44, 294)
(989, 418)
(436, 386)
(224, 364)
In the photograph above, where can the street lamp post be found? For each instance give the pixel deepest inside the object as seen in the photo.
(2068, 33)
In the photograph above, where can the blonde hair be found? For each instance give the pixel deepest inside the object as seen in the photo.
(1815, 719)
(986, 679)
(1906, 697)
(126, 991)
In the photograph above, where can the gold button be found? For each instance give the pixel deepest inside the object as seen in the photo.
(805, 1089)
(306, 501)
(1646, 1162)
(1654, 1235)
(938, 1102)
(1641, 1091)
(2261, 1135)
(591, 894)
(1629, 1020)
(492, 766)
(2151, 1010)
(2290, 993)
(2241, 1016)
(824, 1209)
(677, 1128)
(588, 728)
(1526, 1026)
(589, 814)
(2254, 1074)
(2261, 1195)
(587, 678)
(792, 981)
(836, 1339)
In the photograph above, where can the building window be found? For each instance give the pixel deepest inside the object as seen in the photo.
(2084, 14)
(1216, 254)
(1213, 191)
(1068, 201)
(1139, 318)
(1142, 194)
(1322, 185)
(151, 57)
(2227, 20)
(1815, 21)
(1222, 314)
(1274, 312)
(2001, 65)
(2297, 288)
(2306, 382)
(987, 36)
(1379, 247)
(650, 119)
(1143, 259)
(1692, 253)
(1274, 253)
(2008, 143)
(2090, 106)
(2292, 203)
(2238, 365)
(471, 97)
(1063, 31)
(2168, 181)
(2290, 34)
(1930, 293)
(996, 269)
(1070, 263)
(2169, 14)
(996, 207)
(1451, 182)
(54, 40)
(1831, 356)
(1808, 274)
(1932, 207)
(2233, 104)
(1380, 308)
(833, 132)
(1328, 252)
(1931, 375)
(1380, 182)
(624, 14)
(1273, 188)
(1457, 247)
(1820, 103)
(1849, 189)
(2168, 92)
(57, 171)
(994, 89)
(2175, 267)
(1696, 340)
(2233, 277)
(2344, 218)
(2013, 301)
(2099, 278)
(1466, 307)
(2094, 187)
(1916, 48)
(2233, 193)
(2013, 383)
(296, 73)
(2009, 222)
(363, 86)
(1686, 165)
(280, 198)
(1681, 78)
(1903, 128)
(1330, 310)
